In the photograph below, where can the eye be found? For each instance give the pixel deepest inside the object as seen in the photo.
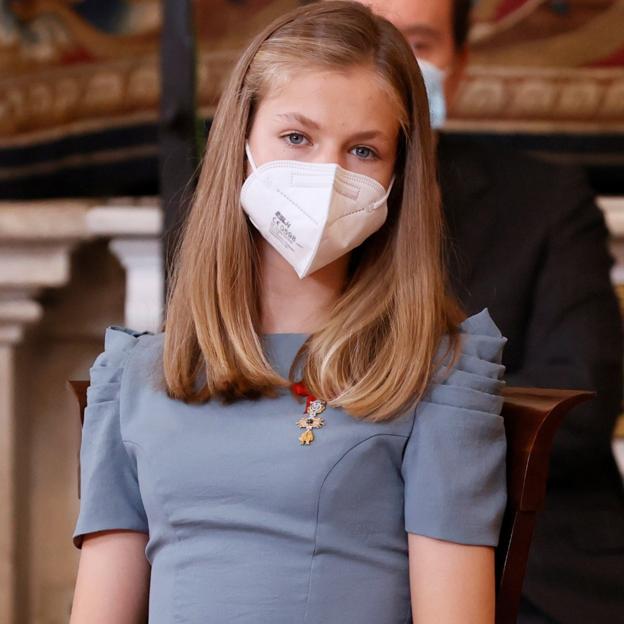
(363, 152)
(295, 138)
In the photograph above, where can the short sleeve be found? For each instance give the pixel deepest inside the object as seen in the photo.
(109, 492)
(454, 463)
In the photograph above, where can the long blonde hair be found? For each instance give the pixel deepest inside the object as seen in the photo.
(375, 357)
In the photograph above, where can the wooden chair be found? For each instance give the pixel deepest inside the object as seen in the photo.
(532, 416)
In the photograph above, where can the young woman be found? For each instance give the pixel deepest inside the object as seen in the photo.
(309, 278)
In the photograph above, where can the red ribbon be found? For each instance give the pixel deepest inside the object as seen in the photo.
(299, 389)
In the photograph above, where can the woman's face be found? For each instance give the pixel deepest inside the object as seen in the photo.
(344, 117)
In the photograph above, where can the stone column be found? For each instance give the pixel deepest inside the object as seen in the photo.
(8, 560)
(142, 260)
(137, 244)
(36, 244)
(16, 311)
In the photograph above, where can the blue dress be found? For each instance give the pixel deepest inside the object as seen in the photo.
(248, 526)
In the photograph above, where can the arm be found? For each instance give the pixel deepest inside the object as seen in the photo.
(113, 579)
(574, 332)
(112, 528)
(455, 484)
(450, 583)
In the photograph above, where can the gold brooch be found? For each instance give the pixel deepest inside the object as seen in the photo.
(311, 420)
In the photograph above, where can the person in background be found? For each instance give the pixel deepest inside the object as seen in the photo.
(531, 245)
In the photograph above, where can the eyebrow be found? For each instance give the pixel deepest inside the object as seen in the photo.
(369, 134)
(358, 136)
(421, 29)
(302, 119)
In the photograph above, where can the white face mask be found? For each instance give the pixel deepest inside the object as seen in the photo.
(434, 78)
(312, 213)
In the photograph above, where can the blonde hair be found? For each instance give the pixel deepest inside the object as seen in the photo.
(375, 357)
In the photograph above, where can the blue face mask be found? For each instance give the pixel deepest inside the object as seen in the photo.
(434, 82)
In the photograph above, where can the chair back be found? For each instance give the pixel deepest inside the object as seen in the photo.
(532, 416)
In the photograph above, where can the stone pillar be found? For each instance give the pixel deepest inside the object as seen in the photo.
(37, 437)
(8, 560)
(142, 260)
(136, 242)
(16, 311)
(35, 242)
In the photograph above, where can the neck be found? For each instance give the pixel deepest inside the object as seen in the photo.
(289, 304)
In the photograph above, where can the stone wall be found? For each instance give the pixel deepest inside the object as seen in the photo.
(67, 270)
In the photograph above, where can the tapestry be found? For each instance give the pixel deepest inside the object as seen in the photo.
(546, 66)
(79, 82)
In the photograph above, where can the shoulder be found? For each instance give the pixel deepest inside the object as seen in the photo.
(121, 344)
(475, 381)
(492, 155)
(121, 340)
(481, 337)
(522, 178)
(454, 461)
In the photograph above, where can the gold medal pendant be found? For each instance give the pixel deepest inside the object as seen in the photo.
(312, 420)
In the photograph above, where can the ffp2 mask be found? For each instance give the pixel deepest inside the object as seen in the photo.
(312, 213)
(434, 78)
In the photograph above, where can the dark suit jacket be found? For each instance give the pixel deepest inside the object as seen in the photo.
(528, 242)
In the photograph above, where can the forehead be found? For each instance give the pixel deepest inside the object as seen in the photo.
(404, 14)
(342, 100)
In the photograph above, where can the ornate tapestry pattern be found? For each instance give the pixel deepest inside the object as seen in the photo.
(79, 79)
(71, 65)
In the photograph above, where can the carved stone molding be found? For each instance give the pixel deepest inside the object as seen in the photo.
(17, 310)
(85, 97)
(142, 260)
(59, 96)
(135, 233)
(36, 241)
(540, 100)
(37, 238)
